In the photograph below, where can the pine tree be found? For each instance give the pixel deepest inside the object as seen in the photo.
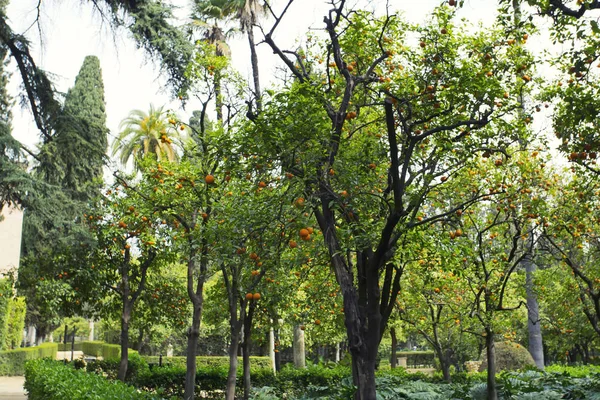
(74, 158)
(13, 177)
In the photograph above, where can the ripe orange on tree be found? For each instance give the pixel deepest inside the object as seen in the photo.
(209, 179)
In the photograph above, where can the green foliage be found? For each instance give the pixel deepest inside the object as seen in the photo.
(110, 366)
(52, 380)
(78, 346)
(510, 356)
(15, 323)
(5, 296)
(12, 362)
(210, 361)
(101, 349)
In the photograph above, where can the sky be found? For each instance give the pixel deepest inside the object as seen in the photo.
(71, 30)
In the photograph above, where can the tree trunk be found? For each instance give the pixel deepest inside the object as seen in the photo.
(444, 362)
(534, 328)
(298, 348)
(218, 96)
(246, 349)
(492, 391)
(254, 62)
(363, 371)
(272, 350)
(233, 363)
(192, 344)
(125, 317)
(394, 356)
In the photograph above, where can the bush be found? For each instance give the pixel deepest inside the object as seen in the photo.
(110, 366)
(52, 380)
(5, 296)
(210, 361)
(90, 348)
(100, 349)
(15, 323)
(510, 356)
(111, 351)
(12, 362)
(67, 347)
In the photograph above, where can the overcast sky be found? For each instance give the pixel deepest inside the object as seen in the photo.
(72, 30)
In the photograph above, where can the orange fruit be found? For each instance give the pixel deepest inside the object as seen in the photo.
(249, 296)
(209, 179)
(304, 232)
(256, 296)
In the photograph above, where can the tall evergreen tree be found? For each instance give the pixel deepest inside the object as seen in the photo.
(14, 179)
(68, 174)
(74, 158)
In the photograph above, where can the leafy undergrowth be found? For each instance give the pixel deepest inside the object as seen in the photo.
(565, 383)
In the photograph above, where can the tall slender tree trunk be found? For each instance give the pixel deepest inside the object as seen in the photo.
(192, 344)
(246, 349)
(298, 348)
(233, 362)
(534, 328)
(254, 62)
(394, 356)
(492, 390)
(125, 318)
(218, 96)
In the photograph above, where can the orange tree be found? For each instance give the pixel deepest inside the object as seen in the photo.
(433, 301)
(567, 331)
(370, 124)
(491, 239)
(129, 240)
(572, 239)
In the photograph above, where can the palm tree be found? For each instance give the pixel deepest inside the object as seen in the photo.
(247, 12)
(147, 133)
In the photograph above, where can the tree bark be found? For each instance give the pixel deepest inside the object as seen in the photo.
(534, 328)
(125, 318)
(246, 349)
(394, 356)
(254, 62)
(233, 363)
(298, 348)
(192, 344)
(492, 390)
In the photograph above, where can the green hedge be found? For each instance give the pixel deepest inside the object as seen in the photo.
(92, 348)
(101, 349)
(169, 381)
(210, 361)
(5, 296)
(418, 358)
(52, 380)
(78, 346)
(12, 362)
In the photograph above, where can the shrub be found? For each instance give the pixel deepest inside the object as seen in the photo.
(510, 356)
(12, 362)
(210, 361)
(15, 323)
(67, 347)
(52, 380)
(110, 366)
(90, 348)
(111, 351)
(100, 349)
(5, 295)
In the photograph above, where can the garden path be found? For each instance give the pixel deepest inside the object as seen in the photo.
(11, 388)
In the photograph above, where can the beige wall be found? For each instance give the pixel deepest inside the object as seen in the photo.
(10, 238)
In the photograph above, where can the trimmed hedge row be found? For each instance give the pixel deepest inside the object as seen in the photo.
(78, 346)
(12, 362)
(52, 380)
(209, 361)
(210, 381)
(101, 349)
